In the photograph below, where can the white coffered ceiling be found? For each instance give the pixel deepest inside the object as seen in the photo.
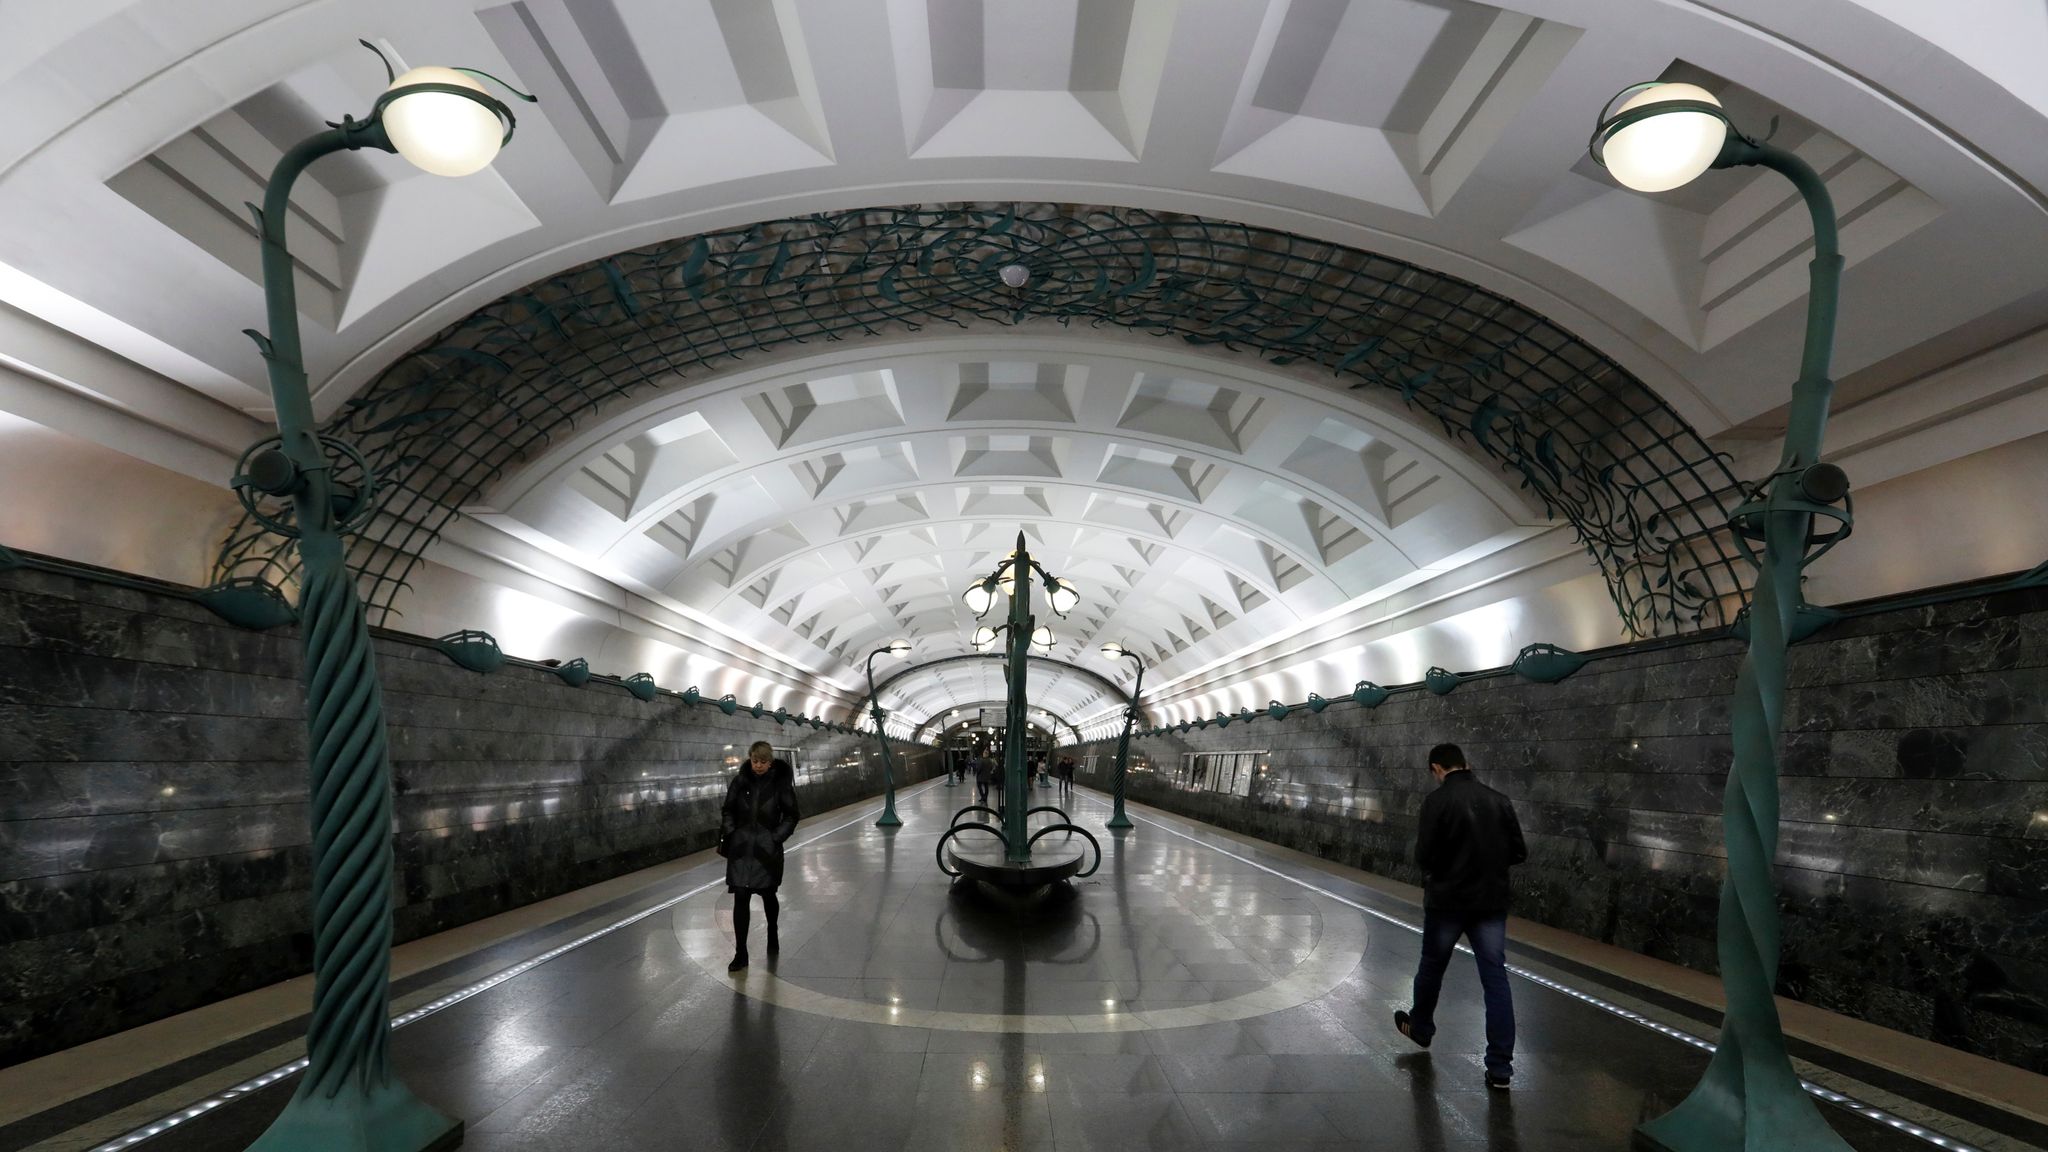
(1209, 508)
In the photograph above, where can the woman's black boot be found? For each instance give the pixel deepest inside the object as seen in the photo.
(774, 942)
(739, 961)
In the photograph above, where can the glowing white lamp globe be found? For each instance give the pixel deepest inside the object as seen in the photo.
(1662, 152)
(1064, 598)
(1041, 636)
(899, 648)
(1113, 650)
(984, 637)
(978, 597)
(440, 132)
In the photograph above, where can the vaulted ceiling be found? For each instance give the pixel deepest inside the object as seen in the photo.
(807, 501)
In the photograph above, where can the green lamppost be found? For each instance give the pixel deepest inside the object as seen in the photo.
(1750, 1100)
(889, 818)
(1013, 577)
(1117, 819)
(347, 1100)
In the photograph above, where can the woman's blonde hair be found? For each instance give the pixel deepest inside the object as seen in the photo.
(760, 750)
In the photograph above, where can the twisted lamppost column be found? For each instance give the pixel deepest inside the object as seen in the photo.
(1117, 819)
(889, 819)
(1750, 1099)
(348, 1098)
(1016, 788)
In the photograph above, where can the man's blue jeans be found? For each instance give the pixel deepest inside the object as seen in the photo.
(1488, 933)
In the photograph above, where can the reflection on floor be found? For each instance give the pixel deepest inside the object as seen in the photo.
(1183, 996)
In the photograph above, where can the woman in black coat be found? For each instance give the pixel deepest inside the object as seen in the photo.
(760, 813)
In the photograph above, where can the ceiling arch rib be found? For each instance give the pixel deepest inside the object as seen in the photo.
(1199, 505)
(939, 725)
(911, 696)
(1158, 602)
(1594, 445)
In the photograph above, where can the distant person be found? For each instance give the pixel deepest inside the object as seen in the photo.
(760, 813)
(1065, 775)
(1467, 839)
(981, 778)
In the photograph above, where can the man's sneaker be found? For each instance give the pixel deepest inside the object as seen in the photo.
(1401, 1025)
(1494, 1080)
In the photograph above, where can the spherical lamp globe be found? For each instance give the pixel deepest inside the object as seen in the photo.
(1664, 151)
(441, 132)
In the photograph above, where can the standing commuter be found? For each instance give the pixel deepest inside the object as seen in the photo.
(1467, 839)
(981, 775)
(760, 813)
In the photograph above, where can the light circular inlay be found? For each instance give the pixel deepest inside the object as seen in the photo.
(702, 925)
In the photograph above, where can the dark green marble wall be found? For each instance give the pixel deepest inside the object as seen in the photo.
(1914, 854)
(153, 828)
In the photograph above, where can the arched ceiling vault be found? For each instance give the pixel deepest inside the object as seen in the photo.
(1351, 306)
(1500, 388)
(933, 687)
(1122, 457)
(941, 724)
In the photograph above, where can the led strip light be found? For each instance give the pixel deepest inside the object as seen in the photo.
(164, 1124)
(1868, 1111)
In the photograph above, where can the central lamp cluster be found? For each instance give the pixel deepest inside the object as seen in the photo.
(981, 595)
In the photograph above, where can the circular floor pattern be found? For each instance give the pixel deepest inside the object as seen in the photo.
(703, 925)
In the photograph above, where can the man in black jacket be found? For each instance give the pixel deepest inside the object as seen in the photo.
(1468, 838)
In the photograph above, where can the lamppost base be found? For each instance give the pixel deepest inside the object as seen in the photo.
(1119, 823)
(889, 820)
(1717, 1122)
(387, 1118)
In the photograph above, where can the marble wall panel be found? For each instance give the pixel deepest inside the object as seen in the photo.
(153, 832)
(1913, 853)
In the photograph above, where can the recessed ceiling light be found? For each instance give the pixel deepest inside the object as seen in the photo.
(1015, 275)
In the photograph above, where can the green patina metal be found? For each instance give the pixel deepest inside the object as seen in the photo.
(248, 602)
(888, 819)
(1592, 444)
(643, 687)
(476, 651)
(576, 673)
(347, 1100)
(1547, 663)
(1118, 821)
(1441, 681)
(1750, 1098)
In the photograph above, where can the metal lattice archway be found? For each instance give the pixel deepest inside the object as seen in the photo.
(1593, 444)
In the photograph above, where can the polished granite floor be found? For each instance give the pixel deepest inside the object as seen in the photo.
(1193, 993)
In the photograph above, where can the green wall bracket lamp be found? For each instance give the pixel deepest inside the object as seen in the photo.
(444, 121)
(889, 819)
(1660, 137)
(1117, 819)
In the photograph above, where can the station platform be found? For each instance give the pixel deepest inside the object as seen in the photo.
(1199, 991)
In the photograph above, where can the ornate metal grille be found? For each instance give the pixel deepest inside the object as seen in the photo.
(1593, 444)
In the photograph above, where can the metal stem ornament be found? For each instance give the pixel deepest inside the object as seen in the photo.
(889, 819)
(1117, 819)
(348, 1100)
(1750, 1099)
(1013, 576)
